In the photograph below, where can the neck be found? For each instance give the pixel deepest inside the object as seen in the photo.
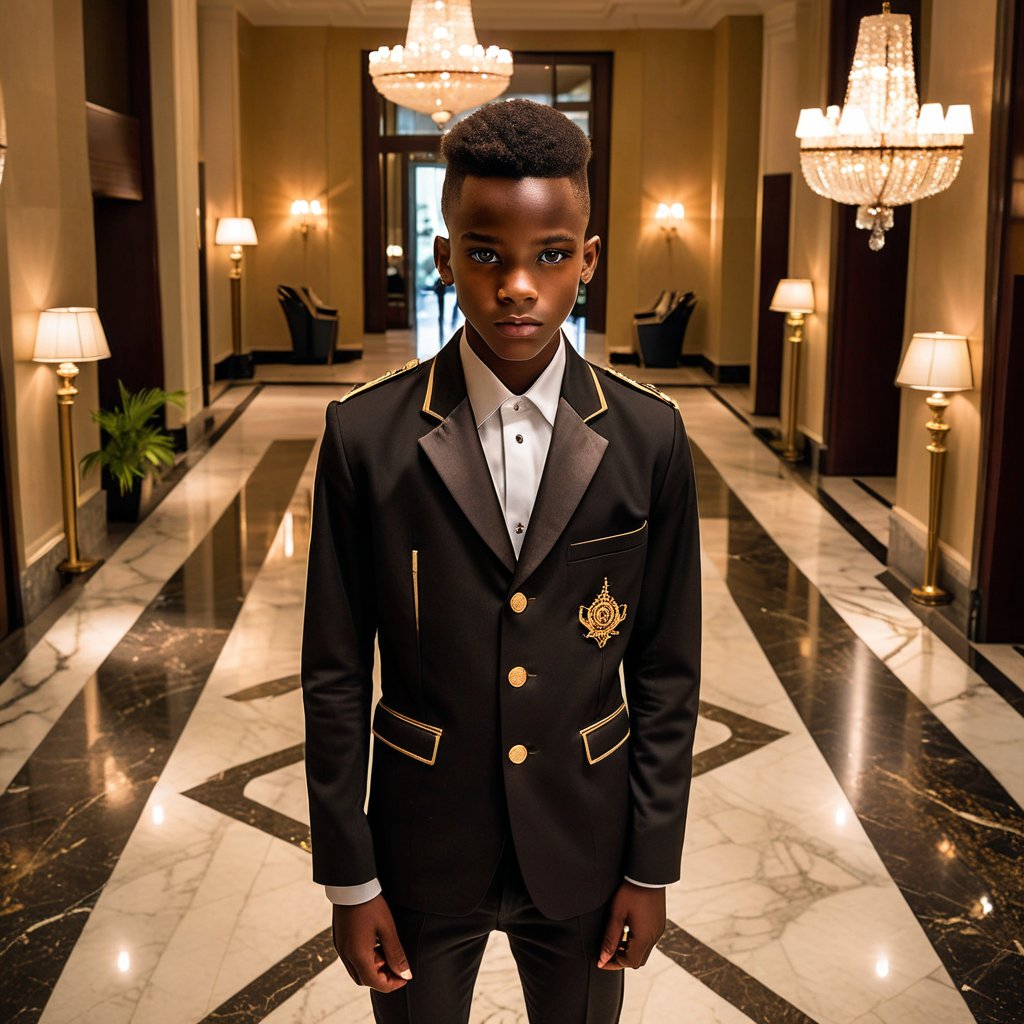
(517, 375)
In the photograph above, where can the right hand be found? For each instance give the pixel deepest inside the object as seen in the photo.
(367, 942)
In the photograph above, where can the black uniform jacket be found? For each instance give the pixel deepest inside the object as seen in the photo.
(503, 717)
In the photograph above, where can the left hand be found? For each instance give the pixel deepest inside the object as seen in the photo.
(643, 911)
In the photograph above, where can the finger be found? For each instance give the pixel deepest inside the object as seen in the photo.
(391, 948)
(351, 970)
(613, 936)
(380, 980)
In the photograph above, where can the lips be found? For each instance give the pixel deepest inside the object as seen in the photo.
(519, 321)
(524, 328)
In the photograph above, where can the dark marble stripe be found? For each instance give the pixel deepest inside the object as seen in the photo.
(67, 815)
(271, 688)
(727, 980)
(746, 736)
(225, 792)
(849, 523)
(868, 489)
(266, 993)
(949, 834)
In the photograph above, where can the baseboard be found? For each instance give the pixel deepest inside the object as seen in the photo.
(40, 581)
(727, 373)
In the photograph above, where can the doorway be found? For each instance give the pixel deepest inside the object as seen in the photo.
(402, 176)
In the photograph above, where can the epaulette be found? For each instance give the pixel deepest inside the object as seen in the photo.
(647, 389)
(390, 375)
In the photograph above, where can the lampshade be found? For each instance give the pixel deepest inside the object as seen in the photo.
(935, 361)
(71, 334)
(793, 295)
(235, 231)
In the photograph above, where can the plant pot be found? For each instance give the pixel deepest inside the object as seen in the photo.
(131, 507)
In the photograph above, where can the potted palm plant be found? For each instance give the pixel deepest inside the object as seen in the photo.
(135, 448)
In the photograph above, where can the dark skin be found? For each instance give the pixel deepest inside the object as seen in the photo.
(517, 248)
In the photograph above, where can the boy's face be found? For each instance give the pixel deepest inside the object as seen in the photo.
(516, 252)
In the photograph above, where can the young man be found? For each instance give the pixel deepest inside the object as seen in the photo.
(513, 525)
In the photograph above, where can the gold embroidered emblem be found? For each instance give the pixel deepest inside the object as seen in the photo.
(603, 615)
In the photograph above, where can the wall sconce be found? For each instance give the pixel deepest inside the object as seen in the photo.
(3, 134)
(303, 209)
(938, 363)
(795, 298)
(669, 217)
(68, 336)
(394, 252)
(236, 232)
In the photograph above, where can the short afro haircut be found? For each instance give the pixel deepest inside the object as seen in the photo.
(515, 139)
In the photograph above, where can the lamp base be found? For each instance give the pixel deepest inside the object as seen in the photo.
(781, 449)
(80, 566)
(931, 596)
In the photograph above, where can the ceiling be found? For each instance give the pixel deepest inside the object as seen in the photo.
(500, 14)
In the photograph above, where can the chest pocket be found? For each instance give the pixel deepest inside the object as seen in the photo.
(608, 545)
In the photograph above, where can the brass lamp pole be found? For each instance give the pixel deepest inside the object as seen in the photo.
(795, 298)
(68, 336)
(236, 232)
(938, 363)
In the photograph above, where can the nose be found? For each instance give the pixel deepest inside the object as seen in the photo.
(517, 287)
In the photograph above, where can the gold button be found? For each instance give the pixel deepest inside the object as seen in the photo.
(518, 602)
(517, 755)
(517, 675)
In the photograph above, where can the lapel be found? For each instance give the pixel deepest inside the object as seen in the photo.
(454, 449)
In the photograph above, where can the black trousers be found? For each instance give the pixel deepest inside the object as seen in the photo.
(556, 960)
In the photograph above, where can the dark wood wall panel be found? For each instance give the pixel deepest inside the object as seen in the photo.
(776, 190)
(116, 34)
(868, 300)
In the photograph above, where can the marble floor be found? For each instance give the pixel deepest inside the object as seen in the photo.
(855, 841)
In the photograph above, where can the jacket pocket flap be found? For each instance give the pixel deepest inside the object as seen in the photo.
(415, 739)
(608, 545)
(605, 737)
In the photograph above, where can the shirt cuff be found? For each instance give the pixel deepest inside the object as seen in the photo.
(350, 895)
(647, 885)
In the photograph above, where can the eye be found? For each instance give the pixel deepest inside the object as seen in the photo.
(483, 253)
(561, 255)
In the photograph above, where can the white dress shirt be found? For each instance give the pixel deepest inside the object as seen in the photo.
(515, 434)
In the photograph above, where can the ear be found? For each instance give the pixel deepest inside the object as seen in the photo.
(443, 259)
(591, 253)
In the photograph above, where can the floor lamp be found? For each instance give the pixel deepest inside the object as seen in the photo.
(69, 336)
(236, 232)
(795, 298)
(939, 363)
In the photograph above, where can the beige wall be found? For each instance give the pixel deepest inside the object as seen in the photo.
(810, 245)
(946, 280)
(734, 188)
(301, 138)
(174, 74)
(48, 250)
(221, 152)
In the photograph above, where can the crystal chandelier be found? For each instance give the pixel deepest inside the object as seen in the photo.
(880, 150)
(442, 69)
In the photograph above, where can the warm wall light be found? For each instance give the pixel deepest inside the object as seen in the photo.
(3, 134)
(305, 209)
(669, 216)
(794, 297)
(236, 232)
(68, 336)
(939, 363)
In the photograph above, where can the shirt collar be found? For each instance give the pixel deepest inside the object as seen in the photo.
(486, 392)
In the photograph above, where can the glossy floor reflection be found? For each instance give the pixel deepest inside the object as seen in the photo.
(854, 848)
